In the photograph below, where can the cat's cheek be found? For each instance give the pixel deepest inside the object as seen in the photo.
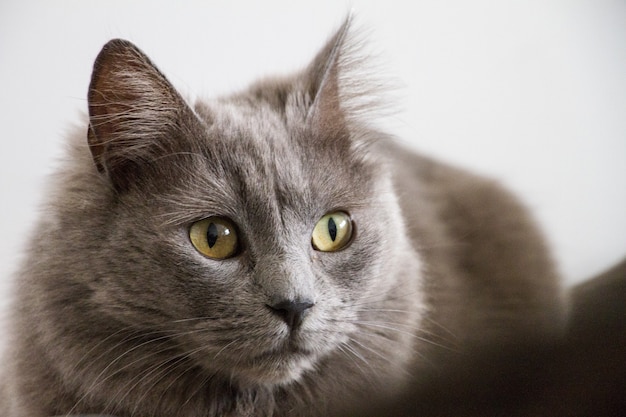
(213, 271)
(349, 272)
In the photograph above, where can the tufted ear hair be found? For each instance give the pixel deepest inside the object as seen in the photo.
(326, 115)
(134, 112)
(345, 86)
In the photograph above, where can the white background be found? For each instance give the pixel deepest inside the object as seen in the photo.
(531, 92)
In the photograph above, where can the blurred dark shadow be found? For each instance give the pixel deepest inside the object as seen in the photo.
(584, 375)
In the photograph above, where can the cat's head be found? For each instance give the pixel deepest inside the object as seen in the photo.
(258, 233)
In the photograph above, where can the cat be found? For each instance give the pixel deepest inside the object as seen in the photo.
(267, 253)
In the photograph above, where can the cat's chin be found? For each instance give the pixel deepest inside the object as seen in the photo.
(276, 368)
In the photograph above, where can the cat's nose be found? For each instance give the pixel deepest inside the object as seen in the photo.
(292, 312)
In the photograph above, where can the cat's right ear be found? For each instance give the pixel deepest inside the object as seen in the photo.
(134, 112)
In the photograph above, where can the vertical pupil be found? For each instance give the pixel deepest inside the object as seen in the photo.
(211, 235)
(332, 229)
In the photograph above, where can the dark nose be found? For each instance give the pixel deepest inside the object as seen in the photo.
(292, 312)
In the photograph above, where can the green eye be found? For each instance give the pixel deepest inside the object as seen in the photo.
(332, 232)
(214, 237)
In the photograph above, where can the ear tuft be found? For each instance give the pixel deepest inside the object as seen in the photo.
(344, 82)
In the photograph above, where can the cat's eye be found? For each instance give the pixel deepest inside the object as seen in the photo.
(332, 232)
(215, 237)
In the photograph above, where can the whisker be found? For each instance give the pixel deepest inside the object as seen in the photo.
(98, 380)
(368, 335)
(417, 327)
(199, 388)
(395, 329)
(442, 327)
(378, 298)
(99, 344)
(172, 365)
(349, 350)
(369, 349)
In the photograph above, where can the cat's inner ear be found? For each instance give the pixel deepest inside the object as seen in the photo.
(134, 112)
(326, 117)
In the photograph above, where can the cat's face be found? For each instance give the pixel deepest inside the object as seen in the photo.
(274, 192)
(254, 233)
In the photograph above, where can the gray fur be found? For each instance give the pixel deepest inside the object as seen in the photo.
(116, 313)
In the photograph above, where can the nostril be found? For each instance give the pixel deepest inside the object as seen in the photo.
(292, 312)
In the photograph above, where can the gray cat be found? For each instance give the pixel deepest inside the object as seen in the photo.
(269, 253)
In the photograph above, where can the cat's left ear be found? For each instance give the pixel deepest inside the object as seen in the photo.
(135, 114)
(326, 116)
(344, 86)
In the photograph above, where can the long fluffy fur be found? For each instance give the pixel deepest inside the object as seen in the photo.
(117, 313)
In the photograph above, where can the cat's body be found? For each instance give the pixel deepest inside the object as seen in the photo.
(118, 313)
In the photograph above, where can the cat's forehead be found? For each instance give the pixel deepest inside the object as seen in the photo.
(237, 119)
(261, 159)
(254, 135)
